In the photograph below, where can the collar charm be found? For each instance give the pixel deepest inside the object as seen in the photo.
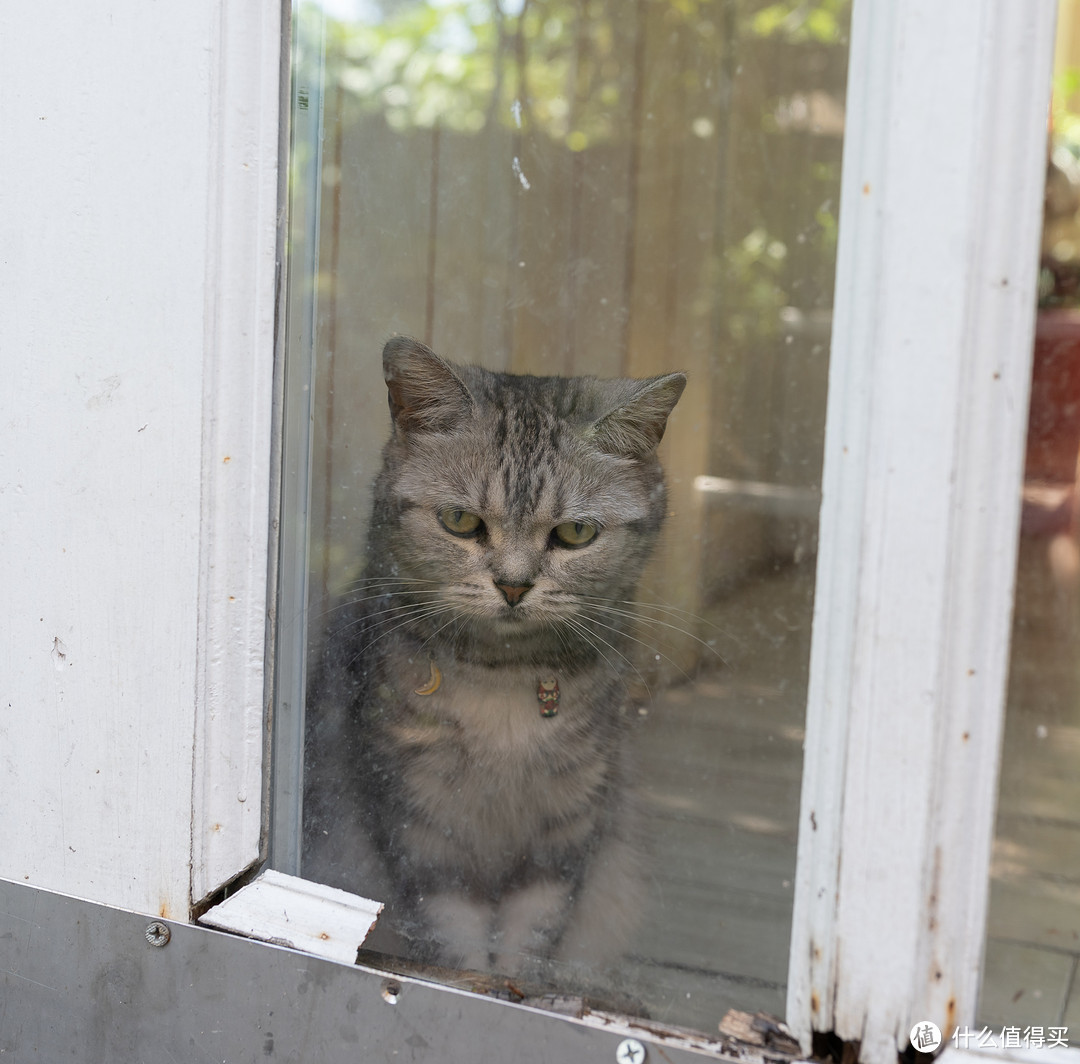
(547, 694)
(433, 683)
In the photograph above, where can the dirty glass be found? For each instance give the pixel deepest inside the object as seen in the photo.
(565, 188)
(1030, 991)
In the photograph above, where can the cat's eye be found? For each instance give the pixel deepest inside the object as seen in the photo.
(574, 533)
(460, 522)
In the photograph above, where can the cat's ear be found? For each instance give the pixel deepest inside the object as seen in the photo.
(635, 427)
(424, 392)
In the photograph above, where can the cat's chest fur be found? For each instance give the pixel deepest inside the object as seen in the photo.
(484, 771)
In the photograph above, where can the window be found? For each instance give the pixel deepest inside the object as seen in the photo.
(618, 190)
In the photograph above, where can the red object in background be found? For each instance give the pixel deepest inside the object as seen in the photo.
(1053, 435)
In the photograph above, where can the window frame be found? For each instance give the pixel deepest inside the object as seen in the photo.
(928, 393)
(927, 299)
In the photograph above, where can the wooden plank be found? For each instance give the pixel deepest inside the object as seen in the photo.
(1071, 1015)
(669, 326)
(1023, 985)
(597, 265)
(1042, 912)
(472, 239)
(539, 286)
(376, 213)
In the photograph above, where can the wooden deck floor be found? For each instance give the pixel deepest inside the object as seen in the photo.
(1033, 934)
(721, 760)
(721, 763)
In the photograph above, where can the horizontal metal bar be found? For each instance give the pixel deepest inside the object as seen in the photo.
(85, 982)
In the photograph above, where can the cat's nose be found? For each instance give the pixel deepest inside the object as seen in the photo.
(513, 593)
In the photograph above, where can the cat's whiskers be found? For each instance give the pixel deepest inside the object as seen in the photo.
(664, 607)
(652, 648)
(652, 622)
(375, 581)
(398, 608)
(459, 619)
(346, 598)
(590, 635)
(388, 588)
(420, 612)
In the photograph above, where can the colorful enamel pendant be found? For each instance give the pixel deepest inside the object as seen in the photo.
(547, 694)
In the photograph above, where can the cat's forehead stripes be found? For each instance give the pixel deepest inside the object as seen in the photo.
(522, 452)
(530, 449)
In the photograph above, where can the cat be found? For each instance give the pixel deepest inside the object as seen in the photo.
(465, 758)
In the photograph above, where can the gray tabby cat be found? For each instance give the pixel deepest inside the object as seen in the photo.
(465, 757)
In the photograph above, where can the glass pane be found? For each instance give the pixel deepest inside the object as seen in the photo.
(1030, 990)
(603, 799)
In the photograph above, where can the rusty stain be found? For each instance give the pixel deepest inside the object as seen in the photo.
(932, 899)
(815, 1002)
(227, 458)
(163, 912)
(324, 936)
(967, 735)
(866, 189)
(216, 827)
(971, 672)
(950, 1018)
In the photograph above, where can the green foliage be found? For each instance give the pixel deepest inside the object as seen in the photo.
(565, 67)
(754, 268)
(1066, 118)
(799, 21)
(569, 71)
(420, 64)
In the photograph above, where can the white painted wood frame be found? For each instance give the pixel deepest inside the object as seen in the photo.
(944, 166)
(138, 228)
(229, 802)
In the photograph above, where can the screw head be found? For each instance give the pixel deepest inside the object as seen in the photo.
(157, 934)
(630, 1051)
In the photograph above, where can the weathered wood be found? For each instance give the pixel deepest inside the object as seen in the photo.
(137, 323)
(927, 398)
(760, 1029)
